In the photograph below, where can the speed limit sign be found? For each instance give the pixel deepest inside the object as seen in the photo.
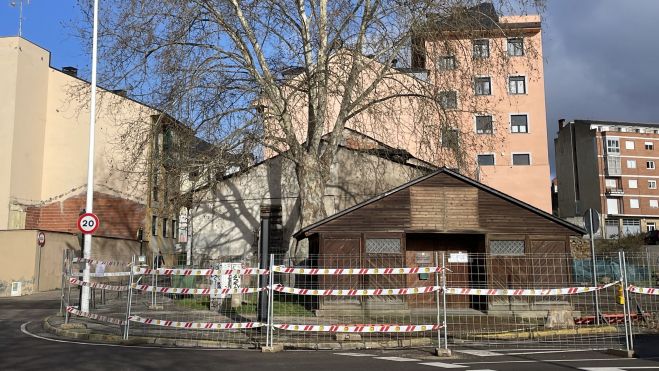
(88, 223)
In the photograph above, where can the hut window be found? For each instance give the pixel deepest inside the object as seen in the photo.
(383, 246)
(507, 247)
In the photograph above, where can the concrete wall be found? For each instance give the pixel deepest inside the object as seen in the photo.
(40, 268)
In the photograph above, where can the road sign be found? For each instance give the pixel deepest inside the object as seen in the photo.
(88, 223)
(41, 239)
(593, 215)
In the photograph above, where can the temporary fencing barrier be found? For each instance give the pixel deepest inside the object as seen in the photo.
(487, 300)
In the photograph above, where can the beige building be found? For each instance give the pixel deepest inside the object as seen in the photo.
(226, 218)
(44, 136)
(610, 167)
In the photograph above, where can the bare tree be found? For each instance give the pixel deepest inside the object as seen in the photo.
(291, 75)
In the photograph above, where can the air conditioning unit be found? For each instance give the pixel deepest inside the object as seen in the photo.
(15, 289)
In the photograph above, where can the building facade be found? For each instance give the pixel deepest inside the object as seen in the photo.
(488, 70)
(610, 167)
(44, 136)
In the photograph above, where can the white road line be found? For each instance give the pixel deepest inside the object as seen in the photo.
(479, 352)
(398, 359)
(26, 332)
(619, 369)
(355, 354)
(550, 351)
(443, 365)
(549, 360)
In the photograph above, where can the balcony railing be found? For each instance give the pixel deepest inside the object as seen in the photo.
(615, 192)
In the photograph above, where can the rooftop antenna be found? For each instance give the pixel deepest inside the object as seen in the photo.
(20, 14)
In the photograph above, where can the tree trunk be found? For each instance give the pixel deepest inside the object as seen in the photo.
(312, 177)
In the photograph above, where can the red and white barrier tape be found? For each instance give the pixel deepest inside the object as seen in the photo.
(355, 292)
(643, 290)
(95, 261)
(176, 290)
(199, 272)
(526, 292)
(97, 285)
(196, 325)
(95, 316)
(359, 328)
(110, 274)
(353, 271)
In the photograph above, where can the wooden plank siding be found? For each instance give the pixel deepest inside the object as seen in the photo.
(446, 204)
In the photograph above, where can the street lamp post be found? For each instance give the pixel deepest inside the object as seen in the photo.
(84, 301)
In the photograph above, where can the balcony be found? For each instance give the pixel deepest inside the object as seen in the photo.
(613, 166)
(615, 192)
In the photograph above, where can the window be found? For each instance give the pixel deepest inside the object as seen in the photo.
(612, 228)
(174, 228)
(482, 86)
(652, 184)
(507, 248)
(445, 63)
(485, 160)
(448, 99)
(484, 124)
(521, 159)
(649, 164)
(612, 145)
(654, 204)
(450, 138)
(633, 203)
(383, 246)
(611, 206)
(154, 225)
(633, 183)
(650, 226)
(631, 226)
(517, 85)
(649, 146)
(516, 47)
(629, 144)
(631, 164)
(481, 49)
(164, 227)
(519, 124)
(613, 166)
(611, 183)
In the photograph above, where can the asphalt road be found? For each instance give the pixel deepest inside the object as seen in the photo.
(25, 346)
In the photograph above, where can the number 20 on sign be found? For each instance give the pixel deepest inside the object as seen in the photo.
(88, 223)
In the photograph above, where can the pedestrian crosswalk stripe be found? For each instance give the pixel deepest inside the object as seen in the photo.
(478, 352)
(397, 359)
(355, 354)
(442, 365)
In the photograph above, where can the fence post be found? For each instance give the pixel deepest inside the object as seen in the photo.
(61, 298)
(439, 330)
(627, 301)
(129, 298)
(270, 332)
(624, 298)
(444, 298)
(68, 285)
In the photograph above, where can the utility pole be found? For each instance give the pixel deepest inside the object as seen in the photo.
(20, 14)
(84, 301)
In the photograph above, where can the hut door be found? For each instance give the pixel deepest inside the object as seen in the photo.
(340, 252)
(384, 252)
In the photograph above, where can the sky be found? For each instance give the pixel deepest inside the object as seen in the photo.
(601, 56)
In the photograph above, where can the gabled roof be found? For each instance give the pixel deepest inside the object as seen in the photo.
(302, 233)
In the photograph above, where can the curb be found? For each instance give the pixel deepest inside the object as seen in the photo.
(87, 334)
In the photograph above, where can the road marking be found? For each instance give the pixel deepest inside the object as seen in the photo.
(443, 365)
(619, 369)
(549, 351)
(479, 352)
(355, 354)
(26, 332)
(398, 359)
(549, 360)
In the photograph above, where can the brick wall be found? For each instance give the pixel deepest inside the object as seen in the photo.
(119, 217)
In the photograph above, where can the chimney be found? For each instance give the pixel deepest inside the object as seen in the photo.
(121, 92)
(561, 123)
(70, 71)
